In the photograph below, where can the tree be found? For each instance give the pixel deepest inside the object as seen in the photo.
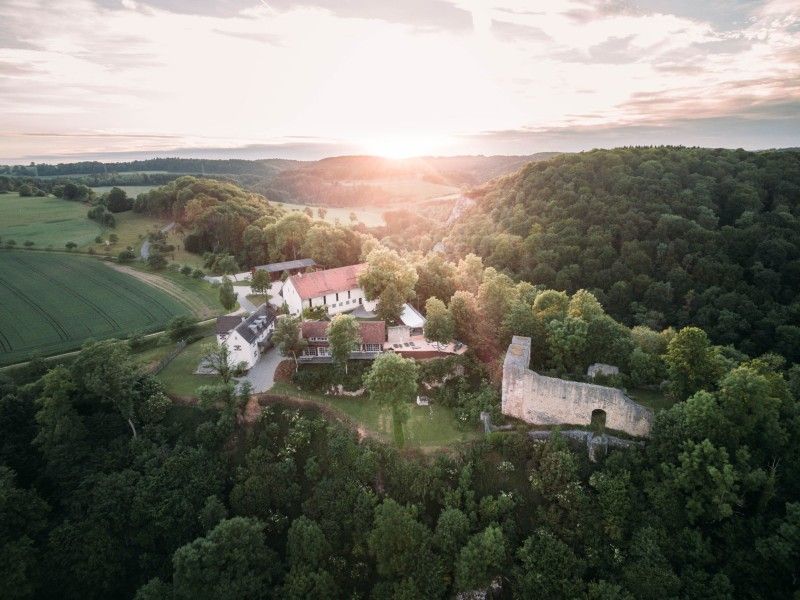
(481, 560)
(567, 341)
(438, 322)
(584, 305)
(227, 297)
(156, 260)
(126, 256)
(392, 379)
(232, 561)
(261, 284)
(436, 277)
(389, 279)
(548, 568)
(287, 337)
(71, 246)
(217, 357)
(181, 327)
(344, 336)
(117, 200)
(691, 362)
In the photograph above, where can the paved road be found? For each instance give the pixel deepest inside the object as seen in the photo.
(144, 252)
(262, 375)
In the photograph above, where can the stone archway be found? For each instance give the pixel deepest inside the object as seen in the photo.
(598, 422)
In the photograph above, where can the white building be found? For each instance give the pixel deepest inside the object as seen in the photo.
(335, 289)
(246, 337)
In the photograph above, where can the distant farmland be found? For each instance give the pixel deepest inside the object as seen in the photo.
(52, 303)
(45, 221)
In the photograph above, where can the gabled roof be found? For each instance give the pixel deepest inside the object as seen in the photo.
(372, 332)
(313, 285)
(289, 265)
(227, 322)
(255, 324)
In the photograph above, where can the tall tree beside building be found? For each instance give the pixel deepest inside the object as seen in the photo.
(390, 280)
(227, 297)
(438, 322)
(287, 337)
(344, 336)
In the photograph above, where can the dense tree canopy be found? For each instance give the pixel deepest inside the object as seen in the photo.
(662, 236)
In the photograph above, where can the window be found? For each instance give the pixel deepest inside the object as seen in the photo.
(309, 303)
(337, 296)
(372, 347)
(325, 300)
(361, 301)
(348, 294)
(237, 347)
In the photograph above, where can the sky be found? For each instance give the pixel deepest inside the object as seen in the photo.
(121, 79)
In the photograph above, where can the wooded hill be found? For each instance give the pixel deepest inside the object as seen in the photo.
(662, 236)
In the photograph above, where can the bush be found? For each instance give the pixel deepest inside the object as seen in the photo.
(98, 239)
(181, 327)
(71, 246)
(28, 243)
(186, 270)
(320, 378)
(126, 255)
(198, 274)
(156, 261)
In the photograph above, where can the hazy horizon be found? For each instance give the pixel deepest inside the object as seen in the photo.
(307, 79)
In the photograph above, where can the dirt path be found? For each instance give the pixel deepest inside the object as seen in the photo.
(197, 306)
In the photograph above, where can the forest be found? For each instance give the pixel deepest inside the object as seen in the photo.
(662, 236)
(108, 490)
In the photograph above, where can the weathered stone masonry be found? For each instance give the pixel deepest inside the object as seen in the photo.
(541, 400)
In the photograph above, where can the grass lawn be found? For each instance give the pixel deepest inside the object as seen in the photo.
(178, 376)
(651, 398)
(54, 302)
(427, 427)
(45, 221)
(370, 217)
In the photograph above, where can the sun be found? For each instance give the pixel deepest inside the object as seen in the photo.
(404, 146)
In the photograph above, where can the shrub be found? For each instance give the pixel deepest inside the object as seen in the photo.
(125, 256)
(186, 270)
(198, 274)
(71, 246)
(28, 243)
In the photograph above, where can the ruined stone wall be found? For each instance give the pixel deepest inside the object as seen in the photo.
(542, 400)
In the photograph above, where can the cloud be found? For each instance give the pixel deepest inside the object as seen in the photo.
(514, 31)
(423, 14)
(774, 125)
(212, 8)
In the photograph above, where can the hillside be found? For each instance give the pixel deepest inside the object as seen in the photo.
(663, 236)
(347, 181)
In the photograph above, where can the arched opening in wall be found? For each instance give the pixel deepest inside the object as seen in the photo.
(598, 421)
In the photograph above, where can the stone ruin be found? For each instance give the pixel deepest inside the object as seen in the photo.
(541, 400)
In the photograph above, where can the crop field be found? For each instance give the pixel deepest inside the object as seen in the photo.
(52, 303)
(45, 221)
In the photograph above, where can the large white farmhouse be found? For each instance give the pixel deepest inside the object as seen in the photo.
(246, 337)
(335, 289)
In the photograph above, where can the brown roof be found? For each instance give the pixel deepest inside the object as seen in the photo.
(311, 329)
(227, 322)
(313, 285)
(372, 332)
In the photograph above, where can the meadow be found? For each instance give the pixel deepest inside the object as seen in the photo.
(370, 217)
(45, 221)
(131, 190)
(54, 302)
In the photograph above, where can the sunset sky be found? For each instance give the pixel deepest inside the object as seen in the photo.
(309, 78)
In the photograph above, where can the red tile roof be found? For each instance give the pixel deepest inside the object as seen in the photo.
(313, 285)
(372, 332)
(311, 329)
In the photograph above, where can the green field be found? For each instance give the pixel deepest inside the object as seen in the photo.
(53, 303)
(131, 190)
(370, 217)
(45, 221)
